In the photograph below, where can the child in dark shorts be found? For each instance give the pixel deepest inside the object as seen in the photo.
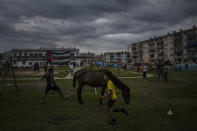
(112, 97)
(51, 85)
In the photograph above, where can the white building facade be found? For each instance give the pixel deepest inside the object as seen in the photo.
(54, 56)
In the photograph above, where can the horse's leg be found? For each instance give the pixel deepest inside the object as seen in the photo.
(102, 93)
(79, 93)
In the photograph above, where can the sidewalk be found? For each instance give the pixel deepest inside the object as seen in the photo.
(136, 77)
(69, 76)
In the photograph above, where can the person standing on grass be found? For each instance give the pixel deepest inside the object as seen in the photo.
(138, 67)
(112, 97)
(165, 72)
(38, 66)
(34, 67)
(160, 71)
(51, 85)
(71, 69)
(45, 67)
(145, 71)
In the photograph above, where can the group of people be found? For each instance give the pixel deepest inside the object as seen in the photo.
(162, 70)
(110, 94)
(36, 67)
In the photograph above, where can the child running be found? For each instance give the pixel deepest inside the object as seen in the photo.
(51, 85)
(112, 97)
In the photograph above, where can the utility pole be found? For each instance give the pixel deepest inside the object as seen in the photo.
(118, 56)
(13, 72)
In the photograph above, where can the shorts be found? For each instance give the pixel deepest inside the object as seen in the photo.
(110, 103)
(48, 88)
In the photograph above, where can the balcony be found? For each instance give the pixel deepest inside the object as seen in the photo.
(178, 57)
(159, 41)
(192, 56)
(152, 56)
(177, 38)
(151, 50)
(160, 47)
(139, 51)
(151, 47)
(178, 52)
(193, 44)
(134, 48)
(160, 54)
(151, 53)
(151, 44)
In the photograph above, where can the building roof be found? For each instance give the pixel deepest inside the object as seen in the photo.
(45, 49)
(169, 34)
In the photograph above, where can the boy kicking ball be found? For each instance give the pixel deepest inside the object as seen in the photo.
(50, 85)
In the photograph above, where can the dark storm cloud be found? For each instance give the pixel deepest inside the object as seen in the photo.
(96, 26)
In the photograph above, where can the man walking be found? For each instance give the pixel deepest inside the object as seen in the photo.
(165, 72)
(145, 71)
(160, 71)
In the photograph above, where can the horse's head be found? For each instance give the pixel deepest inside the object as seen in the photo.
(126, 94)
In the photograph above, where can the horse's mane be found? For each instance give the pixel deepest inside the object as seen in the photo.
(79, 72)
(117, 82)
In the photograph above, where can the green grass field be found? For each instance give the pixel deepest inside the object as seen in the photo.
(120, 73)
(60, 72)
(150, 101)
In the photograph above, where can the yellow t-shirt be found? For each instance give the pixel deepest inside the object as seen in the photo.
(110, 86)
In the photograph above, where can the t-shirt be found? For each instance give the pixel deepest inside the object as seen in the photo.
(165, 69)
(111, 88)
(145, 69)
(49, 79)
(71, 67)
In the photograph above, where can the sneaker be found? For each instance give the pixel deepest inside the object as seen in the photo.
(124, 111)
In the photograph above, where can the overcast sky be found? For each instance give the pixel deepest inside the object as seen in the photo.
(90, 25)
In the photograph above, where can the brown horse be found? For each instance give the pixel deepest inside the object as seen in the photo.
(96, 79)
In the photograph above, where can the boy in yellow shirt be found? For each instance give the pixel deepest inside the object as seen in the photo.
(112, 97)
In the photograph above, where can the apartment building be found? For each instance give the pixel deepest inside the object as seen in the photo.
(99, 58)
(176, 47)
(115, 57)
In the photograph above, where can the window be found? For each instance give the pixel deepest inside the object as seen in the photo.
(30, 63)
(40, 54)
(20, 53)
(23, 62)
(25, 54)
(31, 54)
(14, 62)
(35, 54)
(14, 54)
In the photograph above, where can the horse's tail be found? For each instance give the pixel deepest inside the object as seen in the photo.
(76, 75)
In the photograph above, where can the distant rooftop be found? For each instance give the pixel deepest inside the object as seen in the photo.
(45, 49)
(168, 34)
